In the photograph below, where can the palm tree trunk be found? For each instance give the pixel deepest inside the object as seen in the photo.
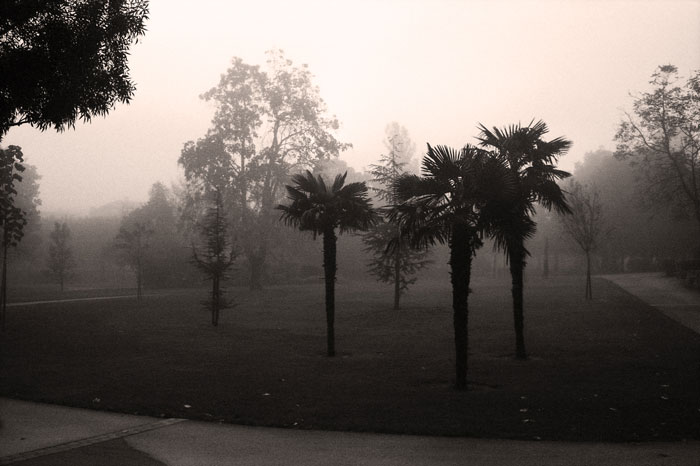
(517, 267)
(397, 278)
(589, 290)
(460, 265)
(329, 269)
(257, 263)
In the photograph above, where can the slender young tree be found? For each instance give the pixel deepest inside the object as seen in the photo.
(585, 225)
(314, 206)
(532, 162)
(132, 243)
(398, 264)
(60, 253)
(12, 218)
(459, 190)
(217, 257)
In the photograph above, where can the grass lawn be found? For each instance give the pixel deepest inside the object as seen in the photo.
(612, 369)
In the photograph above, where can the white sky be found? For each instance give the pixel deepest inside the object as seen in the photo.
(437, 67)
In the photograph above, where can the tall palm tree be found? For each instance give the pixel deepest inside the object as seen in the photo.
(532, 162)
(322, 209)
(445, 205)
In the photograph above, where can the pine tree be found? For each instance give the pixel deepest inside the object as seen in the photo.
(217, 257)
(398, 263)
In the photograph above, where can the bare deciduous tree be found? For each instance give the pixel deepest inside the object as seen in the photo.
(585, 225)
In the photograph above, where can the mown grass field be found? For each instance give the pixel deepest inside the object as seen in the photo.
(612, 369)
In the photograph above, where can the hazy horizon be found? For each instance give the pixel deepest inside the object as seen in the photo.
(437, 68)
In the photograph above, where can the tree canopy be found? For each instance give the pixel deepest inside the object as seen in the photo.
(662, 136)
(64, 60)
(268, 123)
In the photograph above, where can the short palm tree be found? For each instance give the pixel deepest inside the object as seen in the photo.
(322, 209)
(532, 162)
(445, 205)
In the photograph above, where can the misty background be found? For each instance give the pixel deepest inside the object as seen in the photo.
(437, 68)
(431, 71)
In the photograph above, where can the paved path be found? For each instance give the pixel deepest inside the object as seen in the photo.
(69, 300)
(666, 294)
(34, 434)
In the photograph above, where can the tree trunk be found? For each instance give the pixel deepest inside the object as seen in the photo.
(460, 267)
(215, 300)
(517, 267)
(397, 278)
(329, 270)
(257, 265)
(589, 290)
(138, 281)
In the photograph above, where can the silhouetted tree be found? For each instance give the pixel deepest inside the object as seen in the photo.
(663, 139)
(398, 264)
(322, 209)
(267, 124)
(532, 161)
(132, 243)
(65, 59)
(27, 199)
(458, 191)
(217, 257)
(60, 253)
(585, 225)
(12, 218)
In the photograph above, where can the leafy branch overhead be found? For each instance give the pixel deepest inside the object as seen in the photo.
(73, 59)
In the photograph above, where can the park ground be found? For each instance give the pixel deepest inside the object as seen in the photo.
(612, 369)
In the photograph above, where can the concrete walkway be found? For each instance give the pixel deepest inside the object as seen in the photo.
(666, 294)
(35, 434)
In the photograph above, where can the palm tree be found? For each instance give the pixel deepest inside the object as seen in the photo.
(532, 161)
(321, 209)
(446, 205)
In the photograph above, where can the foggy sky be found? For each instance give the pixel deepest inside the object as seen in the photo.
(437, 67)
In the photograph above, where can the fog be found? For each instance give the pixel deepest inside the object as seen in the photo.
(437, 67)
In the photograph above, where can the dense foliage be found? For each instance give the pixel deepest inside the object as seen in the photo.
(64, 60)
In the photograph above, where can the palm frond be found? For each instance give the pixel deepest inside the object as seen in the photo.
(338, 182)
